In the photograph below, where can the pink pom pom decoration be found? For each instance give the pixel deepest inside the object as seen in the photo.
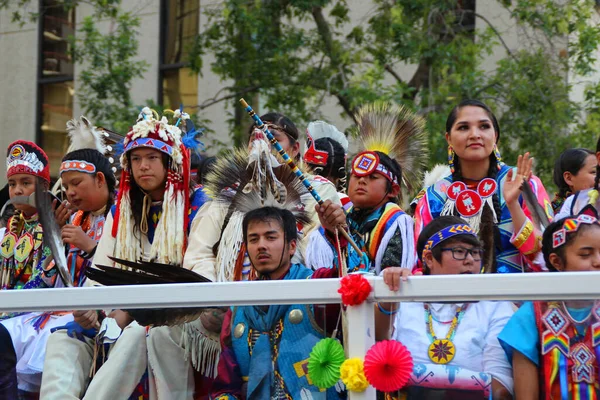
(388, 365)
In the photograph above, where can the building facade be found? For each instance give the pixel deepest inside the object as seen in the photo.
(38, 90)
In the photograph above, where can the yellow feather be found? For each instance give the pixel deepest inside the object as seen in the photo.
(397, 132)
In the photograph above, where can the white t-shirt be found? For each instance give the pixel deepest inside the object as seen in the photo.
(475, 340)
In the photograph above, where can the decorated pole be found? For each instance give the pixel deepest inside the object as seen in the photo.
(293, 166)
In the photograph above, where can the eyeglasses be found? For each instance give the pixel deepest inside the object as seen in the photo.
(460, 253)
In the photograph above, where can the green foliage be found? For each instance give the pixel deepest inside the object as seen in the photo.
(295, 54)
(108, 66)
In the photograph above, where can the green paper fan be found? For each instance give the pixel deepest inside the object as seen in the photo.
(324, 363)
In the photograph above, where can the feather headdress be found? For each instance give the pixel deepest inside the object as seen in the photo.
(232, 173)
(170, 238)
(396, 132)
(84, 135)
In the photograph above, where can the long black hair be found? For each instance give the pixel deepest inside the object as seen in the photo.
(102, 164)
(571, 160)
(335, 169)
(489, 232)
(548, 240)
(283, 122)
(136, 194)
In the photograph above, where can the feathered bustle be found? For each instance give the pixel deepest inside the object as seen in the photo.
(232, 172)
(397, 132)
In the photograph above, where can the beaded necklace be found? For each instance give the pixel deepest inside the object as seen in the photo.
(442, 351)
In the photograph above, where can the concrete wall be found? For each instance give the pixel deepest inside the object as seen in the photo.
(18, 68)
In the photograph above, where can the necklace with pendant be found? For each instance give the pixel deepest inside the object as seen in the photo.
(442, 351)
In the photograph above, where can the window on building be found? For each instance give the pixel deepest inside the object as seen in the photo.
(179, 27)
(55, 80)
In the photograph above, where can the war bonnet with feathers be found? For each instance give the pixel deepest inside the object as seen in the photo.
(170, 237)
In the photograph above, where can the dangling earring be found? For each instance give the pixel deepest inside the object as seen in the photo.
(498, 157)
(451, 158)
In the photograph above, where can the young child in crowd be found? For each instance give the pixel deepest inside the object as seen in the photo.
(579, 200)
(24, 257)
(574, 170)
(454, 346)
(554, 345)
(383, 232)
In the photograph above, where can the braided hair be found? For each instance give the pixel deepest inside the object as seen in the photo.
(102, 164)
(335, 169)
(489, 232)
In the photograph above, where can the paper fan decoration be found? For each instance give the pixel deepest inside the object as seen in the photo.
(353, 375)
(388, 365)
(324, 363)
(355, 289)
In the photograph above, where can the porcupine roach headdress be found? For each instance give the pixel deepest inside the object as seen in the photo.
(261, 185)
(169, 241)
(398, 133)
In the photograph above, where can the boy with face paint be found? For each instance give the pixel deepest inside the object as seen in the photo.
(376, 223)
(252, 364)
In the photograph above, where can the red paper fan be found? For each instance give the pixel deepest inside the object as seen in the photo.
(388, 365)
(355, 289)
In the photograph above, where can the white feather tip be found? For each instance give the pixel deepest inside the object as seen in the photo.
(321, 129)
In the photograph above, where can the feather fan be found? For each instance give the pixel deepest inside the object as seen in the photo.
(538, 214)
(150, 273)
(398, 132)
(52, 236)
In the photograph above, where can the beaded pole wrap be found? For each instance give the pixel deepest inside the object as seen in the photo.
(261, 125)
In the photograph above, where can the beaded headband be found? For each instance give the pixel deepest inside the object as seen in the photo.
(77, 165)
(367, 163)
(447, 233)
(570, 225)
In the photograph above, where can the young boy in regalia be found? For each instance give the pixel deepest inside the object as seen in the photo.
(24, 258)
(154, 195)
(384, 233)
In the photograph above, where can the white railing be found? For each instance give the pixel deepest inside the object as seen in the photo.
(360, 319)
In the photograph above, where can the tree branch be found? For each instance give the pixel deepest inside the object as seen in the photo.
(214, 100)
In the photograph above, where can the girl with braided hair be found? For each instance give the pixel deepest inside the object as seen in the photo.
(486, 192)
(577, 202)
